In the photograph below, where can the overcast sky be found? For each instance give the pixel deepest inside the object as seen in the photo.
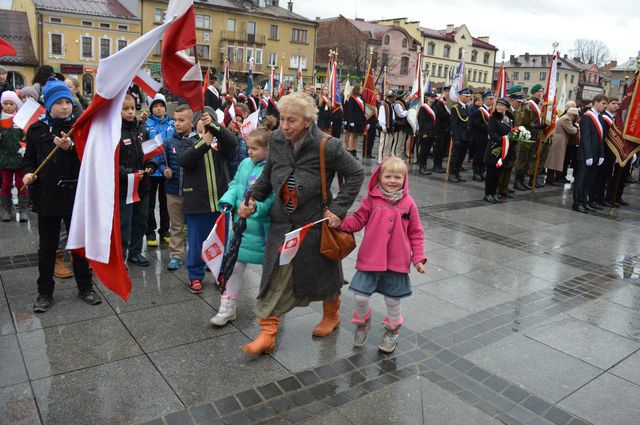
(515, 26)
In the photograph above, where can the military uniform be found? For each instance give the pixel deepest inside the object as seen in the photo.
(479, 136)
(461, 135)
(442, 133)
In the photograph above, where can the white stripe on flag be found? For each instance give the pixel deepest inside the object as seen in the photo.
(28, 114)
(133, 180)
(292, 242)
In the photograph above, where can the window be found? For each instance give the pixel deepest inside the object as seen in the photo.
(293, 62)
(446, 70)
(570, 94)
(231, 24)
(15, 79)
(486, 74)
(404, 43)
(446, 52)
(122, 44)
(485, 59)
(298, 35)
(386, 39)
(87, 23)
(273, 32)
(86, 47)
(239, 54)
(55, 44)
(475, 75)
(557, 76)
(572, 80)
(159, 15)
(203, 22)
(123, 27)
(527, 76)
(404, 66)
(231, 54)
(431, 49)
(157, 51)
(105, 25)
(439, 70)
(460, 53)
(385, 59)
(105, 47)
(543, 75)
(273, 59)
(374, 60)
(516, 75)
(258, 57)
(474, 56)
(434, 67)
(54, 20)
(203, 51)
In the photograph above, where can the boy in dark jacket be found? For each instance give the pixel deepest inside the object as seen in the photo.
(133, 216)
(53, 191)
(183, 121)
(205, 178)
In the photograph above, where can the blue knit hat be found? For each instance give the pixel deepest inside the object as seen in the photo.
(53, 91)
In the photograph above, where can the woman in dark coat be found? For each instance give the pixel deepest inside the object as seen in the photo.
(324, 111)
(356, 120)
(499, 125)
(293, 172)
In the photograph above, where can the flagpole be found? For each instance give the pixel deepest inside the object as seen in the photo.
(366, 133)
(539, 142)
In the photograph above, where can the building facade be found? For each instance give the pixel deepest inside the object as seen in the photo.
(358, 42)
(15, 30)
(528, 70)
(622, 74)
(73, 36)
(243, 31)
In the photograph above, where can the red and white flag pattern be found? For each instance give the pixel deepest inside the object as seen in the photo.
(550, 98)
(133, 181)
(504, 151)
(213, 247)
(95, 227)
(28, 114)
(146, 82)
(181, 74)
(292, 242)
(250, 124)
(152, 147)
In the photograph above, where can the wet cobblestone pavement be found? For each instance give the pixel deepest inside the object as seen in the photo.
(529, 313)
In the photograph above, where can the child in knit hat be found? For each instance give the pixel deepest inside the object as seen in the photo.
(11, 153)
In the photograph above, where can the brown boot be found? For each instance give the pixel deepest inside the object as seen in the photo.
(61, 270)
(330, 318)
(265, 342)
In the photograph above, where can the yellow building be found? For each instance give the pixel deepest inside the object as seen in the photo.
(73, 36)
(241, 30)
(444, 48)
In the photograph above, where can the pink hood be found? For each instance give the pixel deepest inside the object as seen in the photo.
(374, 181)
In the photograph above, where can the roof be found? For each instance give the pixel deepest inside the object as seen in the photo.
(450, 36)
(111, 8)
(629, 65)
(15, 30)
(377, 31)
(250, 7)
(543, 61)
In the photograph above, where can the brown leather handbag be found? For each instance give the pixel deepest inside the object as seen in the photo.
(334, 244)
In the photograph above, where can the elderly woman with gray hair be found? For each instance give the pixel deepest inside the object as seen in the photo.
(564, 136)
(292, 171)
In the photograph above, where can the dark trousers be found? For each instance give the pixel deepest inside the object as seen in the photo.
(602, 177)
(615, 187)
(156, 185)
(133, 225)
(584, 179)
(491, 180)
(440, 149)
(478, 154)
(569, 159)
(459, 152)
(504, 178)
(424, 146)
(199, 226)
(369, 140)
(49, 236)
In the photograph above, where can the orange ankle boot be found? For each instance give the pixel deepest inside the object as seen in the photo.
(61, 270)
(265, 342)
(330, 318)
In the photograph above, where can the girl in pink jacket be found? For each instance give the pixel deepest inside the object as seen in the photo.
(393, 239)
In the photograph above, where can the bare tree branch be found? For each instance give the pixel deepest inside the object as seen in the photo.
(591, 51)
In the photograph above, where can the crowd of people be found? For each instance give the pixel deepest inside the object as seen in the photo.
(271, 177)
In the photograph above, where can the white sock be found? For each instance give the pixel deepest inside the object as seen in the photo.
(235, 281)
(362, 304)
(393, 310)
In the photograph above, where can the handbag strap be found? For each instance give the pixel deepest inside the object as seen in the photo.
(323, 173)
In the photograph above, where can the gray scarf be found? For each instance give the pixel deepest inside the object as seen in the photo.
(393, 197)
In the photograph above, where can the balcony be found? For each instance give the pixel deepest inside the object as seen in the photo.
(243, 37)
(244, 67)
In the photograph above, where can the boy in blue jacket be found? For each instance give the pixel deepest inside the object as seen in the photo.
(158, 123)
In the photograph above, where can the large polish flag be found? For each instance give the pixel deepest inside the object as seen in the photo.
(181, 74)
(28, 114)
(95, 226)
(146, 82)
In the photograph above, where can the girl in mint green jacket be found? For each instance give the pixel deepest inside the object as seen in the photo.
(255, 236)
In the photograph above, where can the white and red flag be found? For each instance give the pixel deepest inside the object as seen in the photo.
(146, 82)
(503, 152)
(550, 111)
(95, 227)
(28, 114)
(213, 247)
(181, 74)
(224, 87)
(300, 79)
(250, 124)
(133, 181)
(152, 147)
(292, 242)
(501, 86)
(281, 83)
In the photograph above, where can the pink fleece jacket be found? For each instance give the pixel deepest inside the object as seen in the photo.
(393, 236)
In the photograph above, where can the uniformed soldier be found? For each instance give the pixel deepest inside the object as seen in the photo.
(531, 118)
(517, 100)
(460, 133)
(479, 135)
(442, 130)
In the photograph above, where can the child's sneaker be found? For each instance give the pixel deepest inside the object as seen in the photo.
(174, 263)
(363, 324)
(195, 286)
(389, 339)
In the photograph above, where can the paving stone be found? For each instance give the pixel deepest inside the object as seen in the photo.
(179, 418)
(466, 293)
(203, 413)
(629, 368)
(12, 371)
(610, 316)
(17, 405)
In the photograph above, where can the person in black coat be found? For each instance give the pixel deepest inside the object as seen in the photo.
(427, 137)
(356, 120)
(337, 121)
(442, 133)
(324, 111)
(605, 172)
(499, 125)
(133, 216)
(479, 135)
(590, 153)
(53, 191)
(460, 133)
(212, 96)
(5, 85)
